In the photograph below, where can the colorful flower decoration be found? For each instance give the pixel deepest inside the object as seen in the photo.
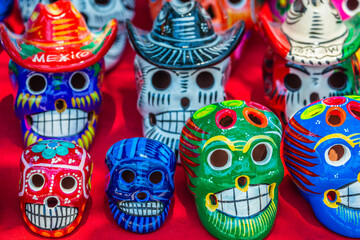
(51, 148)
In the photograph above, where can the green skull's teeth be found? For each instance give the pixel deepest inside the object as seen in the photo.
(54, 124)
(141, 208)
(350, 195)
(237, 203)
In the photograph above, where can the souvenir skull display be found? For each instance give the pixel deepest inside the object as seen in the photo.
(141, 183)
(58, 91)
(321, 151)
(180, 69)
(54, 186)
(313, 56)
(290, 86)
(96, 13)
(230, 152)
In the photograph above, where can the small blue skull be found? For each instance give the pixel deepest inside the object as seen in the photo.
(141, 183)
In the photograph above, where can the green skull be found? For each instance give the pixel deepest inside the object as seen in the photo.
(230, 152)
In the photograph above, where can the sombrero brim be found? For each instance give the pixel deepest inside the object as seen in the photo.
(166, 56)
(58, 57)
(282, 46)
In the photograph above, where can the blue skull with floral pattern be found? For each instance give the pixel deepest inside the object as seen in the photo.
(58, 105)
(141, 183)
(321, 149)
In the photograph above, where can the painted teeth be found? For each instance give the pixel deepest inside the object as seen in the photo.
(237, 203)
(54, 124)
(350, 195)
(50, 218)
(145, 209)
(172, 122)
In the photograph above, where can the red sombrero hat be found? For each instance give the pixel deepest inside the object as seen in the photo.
(57, 39)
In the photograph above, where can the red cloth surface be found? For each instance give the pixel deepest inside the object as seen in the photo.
(119, 119)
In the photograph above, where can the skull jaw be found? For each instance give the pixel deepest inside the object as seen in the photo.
(60, 232)
(84, 138)
(139, 224)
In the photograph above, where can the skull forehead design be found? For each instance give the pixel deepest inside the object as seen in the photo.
(141, 183)
(320, 149)
(168, 97)
(54, 186)
(230, 152)
(96, 14)
(58, 105)
(292, 86)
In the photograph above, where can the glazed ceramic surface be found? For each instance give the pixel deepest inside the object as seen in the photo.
(321, 150)
(346, 8)
(141, 183)
(290, 86)
(58, 91)
(313, 57)
(58, 105)
(5, 8)
(96, 15)
(54, 186)
(180, 69)
(231, 154)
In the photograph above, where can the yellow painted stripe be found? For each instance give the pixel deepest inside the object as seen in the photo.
(83, 101)
(60, 33)
(61, 21)
(88, 134)
(26, 134)
(29, 140)
(88, 100)
(19, 99)
(63, 26)
(92, 130)
(78, 102)
(73, 102)
(31, 100)
(64, 38)
(38, 100)
(24, 100)
(34, 29)
(80, 142)
(86, 141)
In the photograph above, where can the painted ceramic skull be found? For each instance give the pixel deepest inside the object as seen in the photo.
(96, 13)
(168, 97)
(321, 151)
(54, 186)
(58, 105)
(290, 86)
(141, 183)
(230, 152)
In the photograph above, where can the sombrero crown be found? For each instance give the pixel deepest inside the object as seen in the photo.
(57, 39)
(183, 37)
(313, 33)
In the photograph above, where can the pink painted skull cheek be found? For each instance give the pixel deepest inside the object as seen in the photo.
(54, 186)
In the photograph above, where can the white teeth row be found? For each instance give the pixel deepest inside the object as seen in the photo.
(237, 203)
(54, 124)
(141, 209)
(50, 218)
(350, 195)
(173, 121)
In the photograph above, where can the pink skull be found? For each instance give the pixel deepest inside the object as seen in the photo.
(54, 186)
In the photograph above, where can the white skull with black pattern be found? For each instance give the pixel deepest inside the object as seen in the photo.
(168, 97)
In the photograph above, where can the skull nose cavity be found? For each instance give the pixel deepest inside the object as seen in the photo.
(60, 105)
(242, 181)
(331, 195)
(142, 196)
(152, 119)
(185, 102)
(51, 202)
(314, 97)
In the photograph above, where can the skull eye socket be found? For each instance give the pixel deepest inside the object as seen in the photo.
(205, 80)
(161, 80)
(219, 159)
(292, 82)
(102, 2)
(238, 4)
(352, 4)
(79, 81)
(338, 80)
(36, 84)
(36, 182)
(337, 155)
(156, 177)
(68, 184)
(128, 176)
(261, 153)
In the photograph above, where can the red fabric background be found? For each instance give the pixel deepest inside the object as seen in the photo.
(119, 119)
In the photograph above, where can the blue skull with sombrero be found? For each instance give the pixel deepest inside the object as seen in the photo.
(182, 65)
